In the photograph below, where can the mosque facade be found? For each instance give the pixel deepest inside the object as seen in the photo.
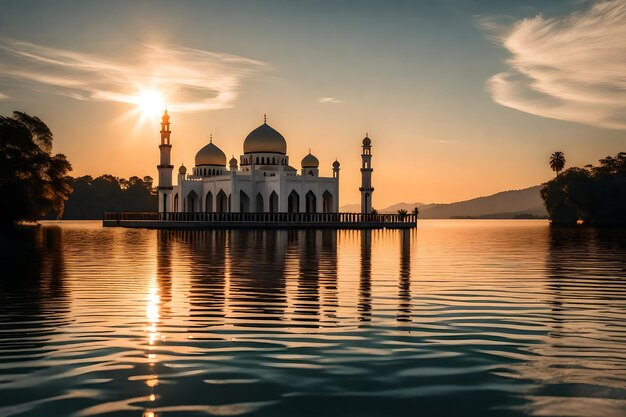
(261, 181)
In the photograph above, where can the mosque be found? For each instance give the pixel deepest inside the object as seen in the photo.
(262, 181)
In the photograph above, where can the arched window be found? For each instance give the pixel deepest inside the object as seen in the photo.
(208, 202)
(221, 202)
(244, 202)
(259, 203)
(192, 199)
(311, 202)
(327, 202)
(176, 203)
(293, 202)
(273, 202)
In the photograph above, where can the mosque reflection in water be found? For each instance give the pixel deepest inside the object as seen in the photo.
(260, 276)
(254, 277)
(285, 281)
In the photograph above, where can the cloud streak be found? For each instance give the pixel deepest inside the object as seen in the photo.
(571, 68)
(332, 100)
(3, 96)
(189, 79)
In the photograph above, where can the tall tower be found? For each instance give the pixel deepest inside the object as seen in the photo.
(165, 166)
(366, 176)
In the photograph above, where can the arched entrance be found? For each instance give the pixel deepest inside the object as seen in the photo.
(273, 202)
(327, 202)
(192, 201)
(293, 202)
(244, 202)
(208, 202)
(164, 203)
(311, 202)
(220, 202)
(176, 202)
(259, 203)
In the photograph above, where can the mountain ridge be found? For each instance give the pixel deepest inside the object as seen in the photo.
(525, 202)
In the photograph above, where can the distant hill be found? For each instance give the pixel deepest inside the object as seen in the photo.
(350, 208)
(525, 203)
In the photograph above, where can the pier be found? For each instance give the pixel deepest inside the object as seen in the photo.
(153, 220)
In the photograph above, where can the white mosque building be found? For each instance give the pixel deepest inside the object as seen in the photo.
(262, 181)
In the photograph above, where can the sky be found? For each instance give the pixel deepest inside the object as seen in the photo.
(461, 98)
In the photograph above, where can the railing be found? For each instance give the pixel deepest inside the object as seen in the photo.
(262, 217)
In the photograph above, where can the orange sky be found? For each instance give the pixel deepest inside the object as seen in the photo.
(455, 98)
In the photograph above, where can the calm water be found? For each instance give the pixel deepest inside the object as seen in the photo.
(458, 318)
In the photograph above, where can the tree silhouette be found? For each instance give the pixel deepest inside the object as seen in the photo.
(557, 162)
(415, 211)
(593, 194)
(33, 181)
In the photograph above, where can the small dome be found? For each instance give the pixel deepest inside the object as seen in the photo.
(310, 161)
(367, 141)
(265, 139)
(233, 161)
(210, 155)
(166, 117)
(336, 164)
(182, 170)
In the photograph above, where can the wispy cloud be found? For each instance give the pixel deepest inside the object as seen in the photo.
(333, 100)
(190, 79)
(571, 68)
(3, 96)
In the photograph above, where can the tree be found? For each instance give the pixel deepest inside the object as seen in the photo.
(32, 180)
(402, 213)
(93, 196)
(557, 162)
(593, 194)
(415, 211)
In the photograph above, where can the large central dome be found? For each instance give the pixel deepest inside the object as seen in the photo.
(265, 139)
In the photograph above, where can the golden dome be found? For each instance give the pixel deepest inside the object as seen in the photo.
(182, 169)
(210, 155)
(265, 139)
(310, 161)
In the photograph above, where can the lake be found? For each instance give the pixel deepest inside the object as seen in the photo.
(454, 318)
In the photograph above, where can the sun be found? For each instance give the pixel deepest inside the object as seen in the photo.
(150, 103)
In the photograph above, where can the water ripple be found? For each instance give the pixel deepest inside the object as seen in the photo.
(502, 318)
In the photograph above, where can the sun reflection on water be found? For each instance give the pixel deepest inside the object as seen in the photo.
(153, 317)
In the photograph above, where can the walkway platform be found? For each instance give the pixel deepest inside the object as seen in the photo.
(258, 220)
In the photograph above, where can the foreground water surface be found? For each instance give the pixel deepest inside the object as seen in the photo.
(455, 318)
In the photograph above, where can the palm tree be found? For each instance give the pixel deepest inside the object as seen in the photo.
(557, 162)
(402, 213)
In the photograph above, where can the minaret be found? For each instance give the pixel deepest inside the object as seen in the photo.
(366, 176)
(165, 166)
(335, 207)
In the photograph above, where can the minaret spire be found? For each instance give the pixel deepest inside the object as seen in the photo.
(165, 166)
(366, 176)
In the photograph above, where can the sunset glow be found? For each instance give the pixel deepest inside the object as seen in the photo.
(444, 94)
(150, 103)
